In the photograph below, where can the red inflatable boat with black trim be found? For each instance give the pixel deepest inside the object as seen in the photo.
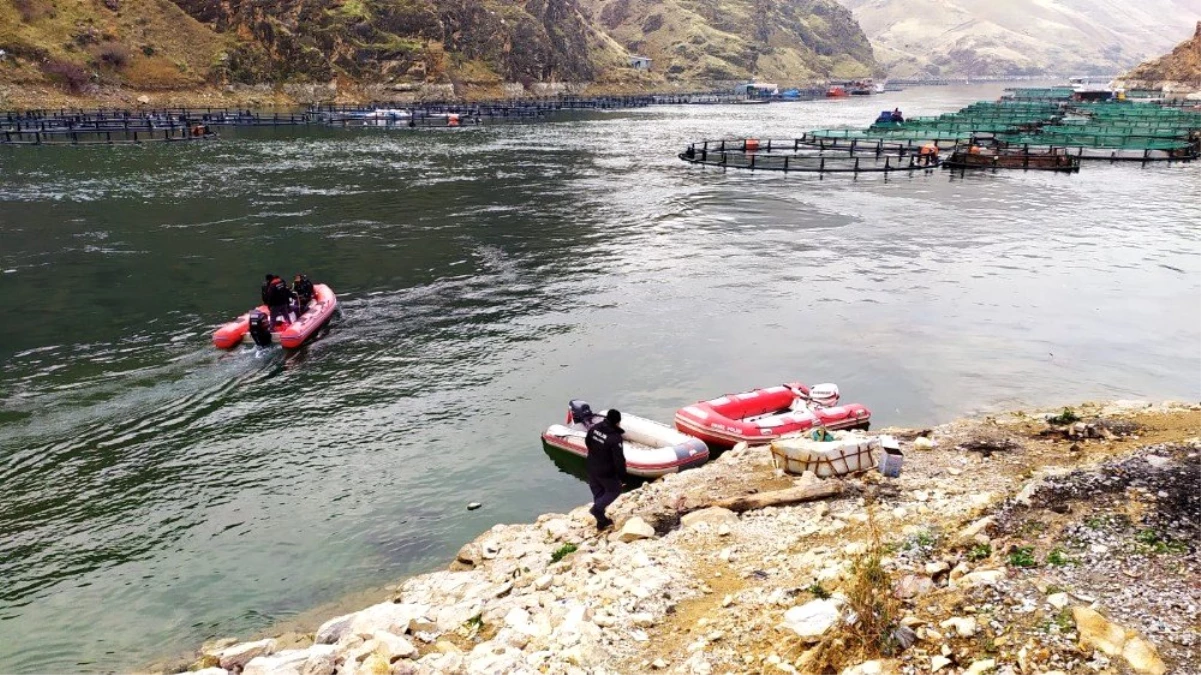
(763, 415)
(257, 324)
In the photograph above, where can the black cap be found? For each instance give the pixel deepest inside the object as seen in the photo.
(613, 416)
(270, 276)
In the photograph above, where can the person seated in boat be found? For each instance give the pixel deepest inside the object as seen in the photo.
(303, 288)
(278, 298)
(606, 465)
(897, 116)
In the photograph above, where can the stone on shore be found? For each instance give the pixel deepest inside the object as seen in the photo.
(963, 626)
(389, 617)
(1097, 632)
(713, 516)
(811, 620)
(331, 631)
(239, 655)
(634, 529)
(980, 667)
(912, 585)
(322, 660)
(288, 662)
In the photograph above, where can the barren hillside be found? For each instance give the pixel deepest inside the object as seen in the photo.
(1020, 37)
(86, 47)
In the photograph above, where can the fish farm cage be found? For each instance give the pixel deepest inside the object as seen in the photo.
(109, 126)
(798, 156)
(1111, 131)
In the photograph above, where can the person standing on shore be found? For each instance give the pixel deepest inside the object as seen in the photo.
(606, 465)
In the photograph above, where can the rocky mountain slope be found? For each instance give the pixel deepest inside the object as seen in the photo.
(713, 40)
(81, 45)
(1020, 37)
(1178, 71)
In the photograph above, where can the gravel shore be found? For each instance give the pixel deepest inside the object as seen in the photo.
(1007, 545)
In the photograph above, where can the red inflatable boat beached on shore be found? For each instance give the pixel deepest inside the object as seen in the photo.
(764, 415)
(288, 335)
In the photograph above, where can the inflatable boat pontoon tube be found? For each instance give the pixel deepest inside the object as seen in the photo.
(651, 449)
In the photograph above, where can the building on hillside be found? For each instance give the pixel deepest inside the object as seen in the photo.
(640, 62)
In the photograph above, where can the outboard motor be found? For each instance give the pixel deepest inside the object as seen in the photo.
(825, 395)
(580, 413)
(260, 328)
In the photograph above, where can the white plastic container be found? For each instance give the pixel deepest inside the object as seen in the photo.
(848, 453)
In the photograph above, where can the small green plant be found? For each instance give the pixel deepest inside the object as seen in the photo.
(818, 591)
(1068, 416)
(1154, 542)
(474, 623)
(923, 539)
(562, 552)
(1058, 557)
(1032, 527)
(979, 552)
(1052, 589)
(1095, 522)
(1022, 556)
(870, 597)
(1064, 620)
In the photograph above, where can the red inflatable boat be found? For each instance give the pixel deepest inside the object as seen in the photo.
(289, 335)
(764, 415)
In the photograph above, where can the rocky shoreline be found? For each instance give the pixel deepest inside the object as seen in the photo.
(1007, 545)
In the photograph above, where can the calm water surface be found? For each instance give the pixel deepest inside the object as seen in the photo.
(157, 492)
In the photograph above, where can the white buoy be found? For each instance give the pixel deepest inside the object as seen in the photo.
(473, 506)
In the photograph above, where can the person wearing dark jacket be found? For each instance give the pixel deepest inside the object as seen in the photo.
(303, 288)
(278, 298)
(606, 465)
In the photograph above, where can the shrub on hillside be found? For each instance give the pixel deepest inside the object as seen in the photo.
(113, 54)
(31, 10)
(70, 75)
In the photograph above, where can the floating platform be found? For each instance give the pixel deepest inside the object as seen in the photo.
(1012, 158)
(796, 156)
(116, 136)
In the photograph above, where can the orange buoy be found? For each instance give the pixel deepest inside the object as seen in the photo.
(452, 120)
(751, 144)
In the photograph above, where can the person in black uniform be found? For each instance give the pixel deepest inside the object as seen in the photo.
(303, 288)
(606, 465)
(277, 296)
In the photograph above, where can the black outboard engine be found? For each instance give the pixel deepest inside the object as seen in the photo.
(581, 412)
(260, 328)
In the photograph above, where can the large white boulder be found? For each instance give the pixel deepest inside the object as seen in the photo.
(239, 655)
(811, 620)
(322, 660)
(390, 617)
(1097, 632)
(634, 529)
(713, 516)
(287, 662)
(331, 631)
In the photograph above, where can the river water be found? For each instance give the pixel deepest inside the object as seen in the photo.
(157, 492)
